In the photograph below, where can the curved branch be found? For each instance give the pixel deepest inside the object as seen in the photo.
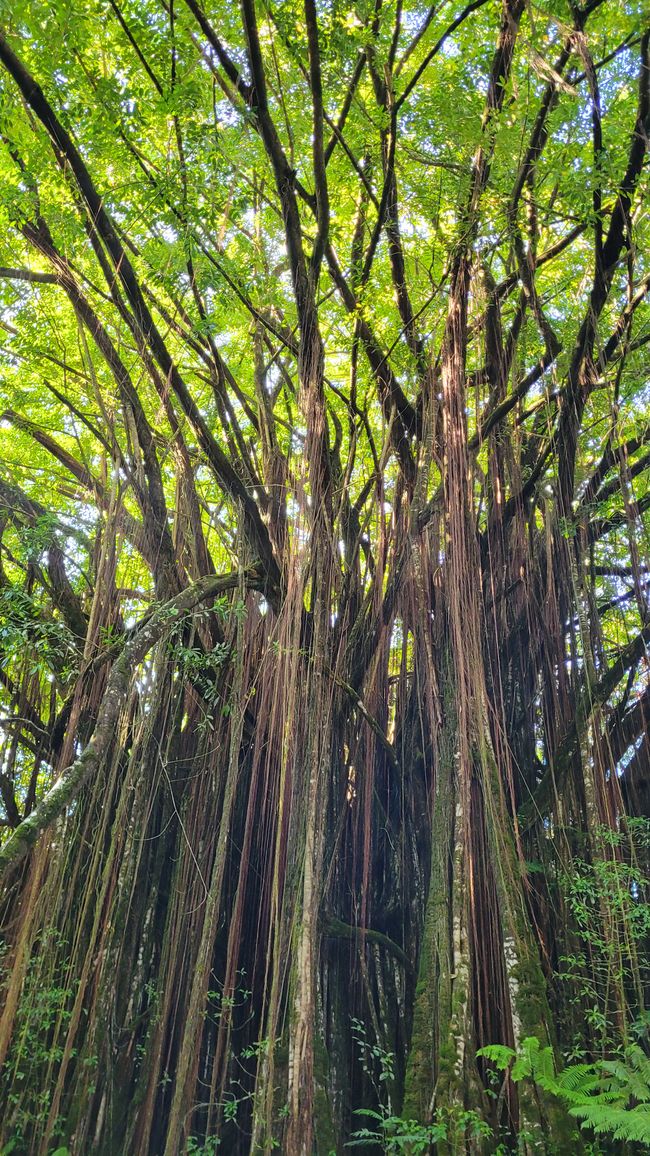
(68, 786)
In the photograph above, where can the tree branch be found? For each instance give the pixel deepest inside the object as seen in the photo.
(71, 781)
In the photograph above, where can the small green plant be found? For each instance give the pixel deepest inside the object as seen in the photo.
(259, 1048)
(611, 1097)
(207, 1147)
(376, 1062)
(395, 1134)
(607, 898)
(38, 1045)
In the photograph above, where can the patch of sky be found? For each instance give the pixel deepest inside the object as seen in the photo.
(416, 226)
(450, 49)
(272, 378)
(629, 754)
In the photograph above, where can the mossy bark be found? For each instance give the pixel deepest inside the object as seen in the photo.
(436, 1075)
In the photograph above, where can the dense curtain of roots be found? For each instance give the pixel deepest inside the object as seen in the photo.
(154, 930)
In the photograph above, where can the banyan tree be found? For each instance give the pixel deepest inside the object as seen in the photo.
(324, 583)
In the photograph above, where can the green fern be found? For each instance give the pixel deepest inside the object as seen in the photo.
(619, 1123)
(619, 1103)
(611, 1097)
(575, 1082)
(535, 1062)
(499, 1055)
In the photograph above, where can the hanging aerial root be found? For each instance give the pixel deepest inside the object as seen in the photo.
(145, 636)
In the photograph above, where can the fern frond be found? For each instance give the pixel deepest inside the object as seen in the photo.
(630, 1124)
(578, 1078)
(498, 1054)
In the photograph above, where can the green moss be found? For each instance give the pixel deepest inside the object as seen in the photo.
(324, 1132)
